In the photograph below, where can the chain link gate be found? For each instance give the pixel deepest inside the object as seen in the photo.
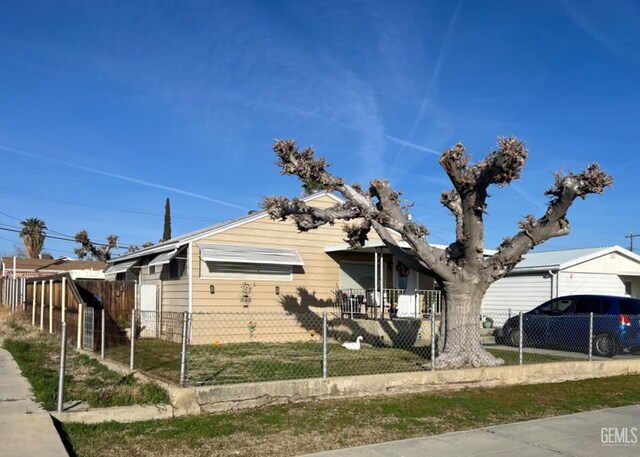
(88, 329)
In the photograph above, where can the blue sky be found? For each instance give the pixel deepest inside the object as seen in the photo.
(108, 108)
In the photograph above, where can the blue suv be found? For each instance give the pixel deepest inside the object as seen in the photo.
(563, 323)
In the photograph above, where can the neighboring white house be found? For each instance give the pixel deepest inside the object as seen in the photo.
(544, 275)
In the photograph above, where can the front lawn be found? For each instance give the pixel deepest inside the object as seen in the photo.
(255, 361)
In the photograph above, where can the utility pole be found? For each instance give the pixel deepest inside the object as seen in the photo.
(631, 236)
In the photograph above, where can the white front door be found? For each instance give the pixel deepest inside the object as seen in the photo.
(148, 308)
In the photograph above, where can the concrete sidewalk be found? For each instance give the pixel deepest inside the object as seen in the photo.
(25, 428)
(575, 435)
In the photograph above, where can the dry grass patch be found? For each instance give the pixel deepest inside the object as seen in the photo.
(38, 355)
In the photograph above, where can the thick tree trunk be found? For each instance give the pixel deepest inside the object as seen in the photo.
(462, 344)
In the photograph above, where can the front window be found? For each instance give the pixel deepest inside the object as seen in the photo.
(246, 271)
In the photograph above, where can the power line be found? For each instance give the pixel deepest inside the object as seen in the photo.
(50, 236)
(68, 237)
(48, 229)
(96, 205)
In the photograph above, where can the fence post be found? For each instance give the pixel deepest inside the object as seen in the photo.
(63, 362)
(79, 323)
(34, 287)
(183, 353)
(63, 297)
(590, 336)
(520, 333)
(42, 306)
(51, 306)
(433, 339)
(324, 346)
(133, 338)
(102, 328)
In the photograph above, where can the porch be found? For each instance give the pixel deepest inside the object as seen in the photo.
(394, 303)
(375, 284)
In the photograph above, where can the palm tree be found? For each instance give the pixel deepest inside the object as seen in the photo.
(33, 234)
(311, 186)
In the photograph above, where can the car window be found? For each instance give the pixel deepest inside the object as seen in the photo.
(560, 306)
(587, 305)
(607, 306)
(629, 306)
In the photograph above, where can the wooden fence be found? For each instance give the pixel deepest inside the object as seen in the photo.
(117, 299)
(50, 300)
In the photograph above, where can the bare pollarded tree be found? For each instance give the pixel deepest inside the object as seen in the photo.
(97, 251)
(462, 270)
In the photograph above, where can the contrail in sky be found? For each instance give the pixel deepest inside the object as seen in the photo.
(122, 177)
(434, 76)
(410, 145)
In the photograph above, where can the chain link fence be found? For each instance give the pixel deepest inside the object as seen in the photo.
(231, 348)
(148, 341)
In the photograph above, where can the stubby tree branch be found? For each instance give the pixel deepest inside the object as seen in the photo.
(467, 201)
(554, 223)
(379, 204)
(308, 217)
(98, 251)
(451, 200)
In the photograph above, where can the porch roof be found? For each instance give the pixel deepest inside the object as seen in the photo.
(370, 246)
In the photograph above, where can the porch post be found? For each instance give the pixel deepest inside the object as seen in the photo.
(382, 285)
(375, 284)
(417, 308)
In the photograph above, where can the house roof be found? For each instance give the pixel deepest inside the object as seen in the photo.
(559, 260)
(372, 245)
(182, 240)
(51, 265)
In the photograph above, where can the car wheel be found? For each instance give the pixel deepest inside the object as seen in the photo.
(604, 346)
(514, 338)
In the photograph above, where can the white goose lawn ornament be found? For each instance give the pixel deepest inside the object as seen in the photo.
(353, 346)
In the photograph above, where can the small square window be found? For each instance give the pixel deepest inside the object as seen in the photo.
(176, 268)
(152, 269)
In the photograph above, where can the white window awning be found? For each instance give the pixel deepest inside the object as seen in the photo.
(163, 258)
(249, 254)
(120, 267)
